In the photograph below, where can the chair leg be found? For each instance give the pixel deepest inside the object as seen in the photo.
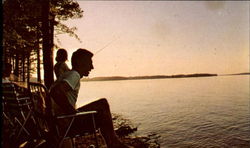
(65, 134)
(24, 123)
(8, 119)
(73, 142)
(22, 128)
(94, 126)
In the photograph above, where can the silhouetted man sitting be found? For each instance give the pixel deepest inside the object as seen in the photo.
(65, 91)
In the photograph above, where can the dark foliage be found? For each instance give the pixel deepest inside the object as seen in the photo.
(23, 36)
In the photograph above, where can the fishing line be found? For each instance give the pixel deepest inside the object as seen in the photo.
(106, 45)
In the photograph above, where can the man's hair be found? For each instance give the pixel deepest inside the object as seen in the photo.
(80, 54)
(61, 55)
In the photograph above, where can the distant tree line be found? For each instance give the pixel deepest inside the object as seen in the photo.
(149, 77)
(29, 29)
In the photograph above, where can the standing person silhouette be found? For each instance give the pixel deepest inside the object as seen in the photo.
(65, 92)
(61, 67)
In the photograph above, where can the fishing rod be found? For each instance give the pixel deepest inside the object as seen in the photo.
(106, 45)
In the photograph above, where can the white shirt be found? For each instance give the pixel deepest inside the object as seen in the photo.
(73, 79)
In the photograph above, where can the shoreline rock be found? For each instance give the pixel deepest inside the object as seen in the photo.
(126, 132)
(125, 129)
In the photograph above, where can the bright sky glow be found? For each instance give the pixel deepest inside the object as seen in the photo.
(163, 37)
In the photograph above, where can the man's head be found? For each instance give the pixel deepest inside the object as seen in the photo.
(81, 61)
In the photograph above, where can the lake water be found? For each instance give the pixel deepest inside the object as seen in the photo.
(182, 112)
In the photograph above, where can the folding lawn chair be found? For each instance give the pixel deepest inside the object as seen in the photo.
(17, 114)
(49, 122)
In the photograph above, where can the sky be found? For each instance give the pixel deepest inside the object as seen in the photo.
(138, 38)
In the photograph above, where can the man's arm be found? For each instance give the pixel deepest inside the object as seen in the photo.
(58, 93)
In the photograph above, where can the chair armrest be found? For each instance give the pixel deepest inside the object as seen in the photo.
(76, 114)
(23, 98)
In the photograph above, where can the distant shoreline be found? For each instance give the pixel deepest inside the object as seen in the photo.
(246, 73)
(115, 78)
(118, 78)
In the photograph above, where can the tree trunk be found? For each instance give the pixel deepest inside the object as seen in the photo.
(28, 68)
(38, 56)
(47, 46)
(16, 69)
(23, 66)
(38, 65)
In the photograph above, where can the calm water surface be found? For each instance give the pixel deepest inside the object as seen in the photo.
(184, 112)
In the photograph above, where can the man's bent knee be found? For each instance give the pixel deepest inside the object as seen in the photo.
(103, 101)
